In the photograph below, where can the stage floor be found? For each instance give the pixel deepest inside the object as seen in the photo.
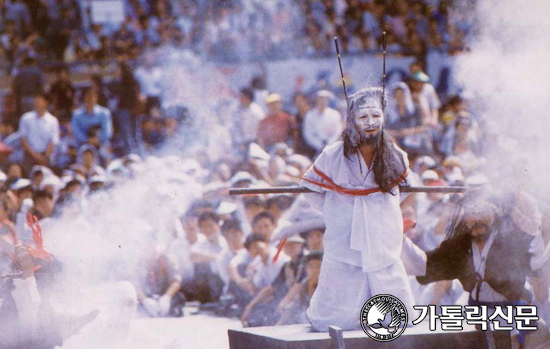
(301, 337)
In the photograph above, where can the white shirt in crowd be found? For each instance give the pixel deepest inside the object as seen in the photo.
(246, 122)
(179, 250)
(224, 259)
(149, 81)
(428, 92)
(38, 131)
(322, 129)
(265, 274)
(207, 246)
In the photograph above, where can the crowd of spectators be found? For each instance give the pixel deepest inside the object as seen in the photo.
(223, 248)
(65, 30)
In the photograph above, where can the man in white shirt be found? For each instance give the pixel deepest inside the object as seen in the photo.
(356, 181)
(39, 133)
(263, 271)
(246, 119)
(322, 125)
(149, 77)
(205, 255)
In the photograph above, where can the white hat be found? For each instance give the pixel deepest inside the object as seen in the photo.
(426, 160)
(51, 180)
(226, 208)
(20, 184)
(430, 175)
(325, 94)
(256, 152)
(97, 179)
(296, 238)
(273, 98)
(241, 176)
(3, 177)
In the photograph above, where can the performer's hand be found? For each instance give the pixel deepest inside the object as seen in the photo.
(24, 261)
(244, 317)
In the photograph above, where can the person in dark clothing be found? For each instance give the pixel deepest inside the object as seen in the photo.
(491, 251)
(62, 95)
(28, 81)
(128, 110)
(302, 104)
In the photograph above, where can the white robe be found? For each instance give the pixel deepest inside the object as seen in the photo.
(362, 242)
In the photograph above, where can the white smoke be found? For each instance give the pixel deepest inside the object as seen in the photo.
(106, 238)
(507, 75)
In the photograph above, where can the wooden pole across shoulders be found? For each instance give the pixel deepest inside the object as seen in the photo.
(299, 190)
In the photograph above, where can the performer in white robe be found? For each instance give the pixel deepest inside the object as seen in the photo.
(357, 184)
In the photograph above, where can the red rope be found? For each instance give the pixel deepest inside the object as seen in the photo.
(335, 187)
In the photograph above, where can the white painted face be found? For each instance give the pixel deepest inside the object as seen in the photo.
(369, 120)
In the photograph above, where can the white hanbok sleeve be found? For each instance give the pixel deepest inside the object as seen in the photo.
(414, 259)
(410, 180)
(313, 181)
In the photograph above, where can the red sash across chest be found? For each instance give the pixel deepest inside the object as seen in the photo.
(330, 185)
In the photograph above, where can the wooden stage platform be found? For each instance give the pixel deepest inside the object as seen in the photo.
(301, 337)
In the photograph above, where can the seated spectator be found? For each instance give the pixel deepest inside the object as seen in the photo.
(277, 205)
(322, 125)
(261, 309)
(292, 308)
(314, 239)
(264, 224)
(88, 158)
(39, 133)
(263, 270)
(454, 105)
(277, 126)
(204, 255)
(461, 137)
(235, 242)
(158, 289)
(43, 205)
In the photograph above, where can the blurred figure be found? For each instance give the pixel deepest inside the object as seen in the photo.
(302, 105)
(208, 283)
(149, 77)
(293, 307)
(420, 83)
(62, 95)
(261, 309)
(408, 125)
(27, 83)
(128, 107)
(322, 125)
(277, 127)
(246, 119)
(93, 124)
